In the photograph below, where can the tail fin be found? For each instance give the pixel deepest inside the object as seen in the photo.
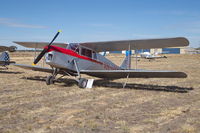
(126, 64)
(104, 53)
(5, 57)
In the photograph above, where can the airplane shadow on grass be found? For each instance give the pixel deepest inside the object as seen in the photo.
(111, 84)
(68, 82)
(148, 87)
(10, 72)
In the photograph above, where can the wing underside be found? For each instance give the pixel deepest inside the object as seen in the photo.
(134, 74)
(136, 44)
(40, 45)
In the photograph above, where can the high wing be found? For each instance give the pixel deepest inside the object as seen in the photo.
(137, 73)
(118, 45)
(136, 44)
(40, 45)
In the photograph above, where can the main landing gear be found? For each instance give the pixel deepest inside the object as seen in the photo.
(51, 79)
(82, 82)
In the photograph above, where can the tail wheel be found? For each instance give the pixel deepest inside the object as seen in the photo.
(50, 80)
(82, 83)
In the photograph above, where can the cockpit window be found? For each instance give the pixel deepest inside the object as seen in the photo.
(74, 47)
(86, 52)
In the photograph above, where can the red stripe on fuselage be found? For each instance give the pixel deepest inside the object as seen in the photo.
(72, 53)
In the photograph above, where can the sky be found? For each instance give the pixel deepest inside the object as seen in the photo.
(98, 20)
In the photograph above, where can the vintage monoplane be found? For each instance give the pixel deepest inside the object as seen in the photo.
(74, 59)
(5, 59)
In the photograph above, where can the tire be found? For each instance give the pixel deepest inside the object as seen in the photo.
(49, 80)
(82, 83)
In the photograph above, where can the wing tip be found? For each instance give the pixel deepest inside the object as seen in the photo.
(183, 75)
(184, 40)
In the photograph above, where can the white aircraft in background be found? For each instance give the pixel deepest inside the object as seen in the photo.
(148, 55)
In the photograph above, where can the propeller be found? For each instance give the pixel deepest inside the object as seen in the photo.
(45, 49)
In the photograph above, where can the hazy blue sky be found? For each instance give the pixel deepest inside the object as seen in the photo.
(98, 20)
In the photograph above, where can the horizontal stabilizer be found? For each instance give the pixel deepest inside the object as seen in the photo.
(134, 74)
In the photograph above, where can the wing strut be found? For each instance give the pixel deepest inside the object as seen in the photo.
(77, 69)
(129, 54)
(82, 82)
(136, 59)
(124, 85)
(129, 64)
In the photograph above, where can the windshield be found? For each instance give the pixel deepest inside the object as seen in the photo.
(74, 47)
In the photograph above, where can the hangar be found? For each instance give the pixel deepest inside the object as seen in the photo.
(174, 50)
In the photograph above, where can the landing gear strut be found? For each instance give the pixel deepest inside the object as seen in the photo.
(82, 82)
(51, 79)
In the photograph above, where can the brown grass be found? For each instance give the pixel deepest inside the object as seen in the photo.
(27, 104)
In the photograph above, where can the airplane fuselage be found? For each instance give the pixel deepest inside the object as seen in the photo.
(86, 59)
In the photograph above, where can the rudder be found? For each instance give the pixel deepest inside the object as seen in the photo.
(126, 64)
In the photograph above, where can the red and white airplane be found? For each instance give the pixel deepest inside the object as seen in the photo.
(74, 59)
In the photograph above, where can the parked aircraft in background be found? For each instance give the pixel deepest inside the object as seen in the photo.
(5, 59)
(149, 56)
(104, 53)
(10, 49)
(75, 59)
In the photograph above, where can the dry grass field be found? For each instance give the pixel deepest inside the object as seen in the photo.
(27, 104)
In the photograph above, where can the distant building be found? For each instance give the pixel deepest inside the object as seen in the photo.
(171, 50)
(175, 50)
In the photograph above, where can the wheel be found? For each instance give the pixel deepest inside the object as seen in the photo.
(49, 80)
(82, 83)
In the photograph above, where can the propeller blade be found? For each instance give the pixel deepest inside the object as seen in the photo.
(40, 56)
(45, 49)
(54, 37)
